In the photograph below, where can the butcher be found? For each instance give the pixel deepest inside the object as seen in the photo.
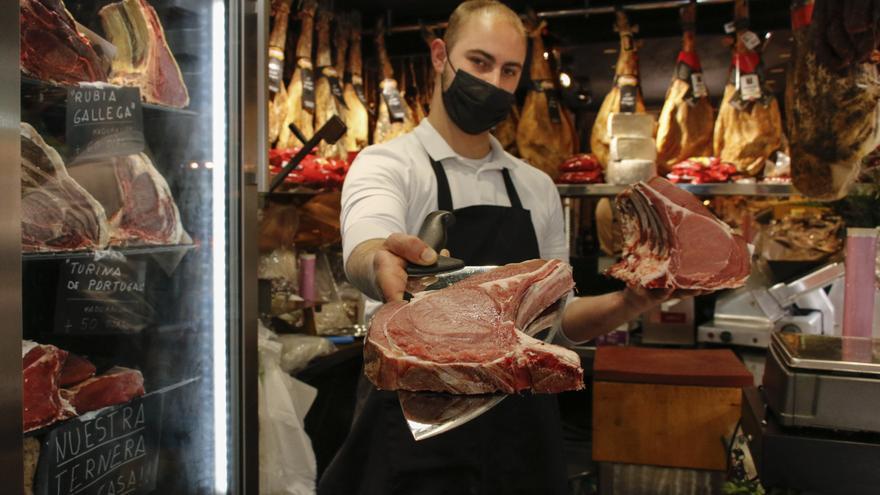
(506, 211)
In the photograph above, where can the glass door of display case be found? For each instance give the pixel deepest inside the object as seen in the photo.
(127, 206)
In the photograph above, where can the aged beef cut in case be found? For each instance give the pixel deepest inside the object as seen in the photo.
(118, 385)
(42, 400)
(468, 338)
(51, 47)
(670, 240)
(57, 214)
(143, 59)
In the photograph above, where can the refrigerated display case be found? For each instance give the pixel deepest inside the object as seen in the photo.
(129, 138)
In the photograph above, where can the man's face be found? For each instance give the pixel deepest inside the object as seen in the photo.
(488, 47)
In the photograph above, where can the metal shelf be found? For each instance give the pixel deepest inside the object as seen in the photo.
(107, 253)
(722, 189)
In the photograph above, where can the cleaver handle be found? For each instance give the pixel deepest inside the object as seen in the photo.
(433, 232)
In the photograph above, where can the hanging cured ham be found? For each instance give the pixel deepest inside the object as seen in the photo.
(545, 135)
(625, 95)
(415, 93)
(505, 132)
(833, 117)
(356, 117)
(300, 91)
(749, 126)
(394, 115)
(686, 121)
(327, 104)
(278, 104)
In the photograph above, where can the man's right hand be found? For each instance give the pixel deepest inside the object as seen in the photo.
(385, 261)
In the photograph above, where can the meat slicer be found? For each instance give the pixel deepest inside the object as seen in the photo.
(749, 315)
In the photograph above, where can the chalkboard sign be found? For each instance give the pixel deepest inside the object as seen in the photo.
(102, 295)
(112, 451)
(103, 121)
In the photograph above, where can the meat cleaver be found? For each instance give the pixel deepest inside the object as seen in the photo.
(429, 414)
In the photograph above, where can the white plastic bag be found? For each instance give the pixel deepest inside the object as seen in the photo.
(287, 460)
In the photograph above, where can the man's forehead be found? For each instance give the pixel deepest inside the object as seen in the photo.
(492, 34)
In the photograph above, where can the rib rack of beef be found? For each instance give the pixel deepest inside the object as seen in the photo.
(466, 339)
(143, 59)
(51, 47)
(57, 214)
(672, 241)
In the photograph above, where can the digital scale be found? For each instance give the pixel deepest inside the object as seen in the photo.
(814, 425)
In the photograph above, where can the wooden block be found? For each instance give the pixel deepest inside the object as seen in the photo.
(663, 425)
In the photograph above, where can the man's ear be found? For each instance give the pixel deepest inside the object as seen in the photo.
(438, 55)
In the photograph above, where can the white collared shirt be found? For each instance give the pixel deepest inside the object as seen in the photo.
(391, 188)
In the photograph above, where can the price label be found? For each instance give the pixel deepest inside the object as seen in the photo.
(628, 98)
(335, 87)
(308, 82)
(698, 85)
(104, 121)
(730, 27)
(751, 40)
(392, 99)
(106, 296)
(750, 87)
(276, 68)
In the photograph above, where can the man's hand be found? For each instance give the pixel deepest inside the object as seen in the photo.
(378, 266)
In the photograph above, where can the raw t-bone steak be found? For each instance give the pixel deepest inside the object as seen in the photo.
(466, 339)
(672, 241)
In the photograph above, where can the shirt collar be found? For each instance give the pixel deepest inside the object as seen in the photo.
(438, 149)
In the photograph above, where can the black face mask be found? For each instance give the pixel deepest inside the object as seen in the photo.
(474, 105)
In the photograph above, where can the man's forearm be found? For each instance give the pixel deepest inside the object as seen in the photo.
(359, 268)
(586, 318)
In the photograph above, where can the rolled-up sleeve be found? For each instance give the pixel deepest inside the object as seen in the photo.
(374, 197)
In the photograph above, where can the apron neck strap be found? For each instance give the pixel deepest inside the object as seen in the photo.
(444, 195)
(511, 190)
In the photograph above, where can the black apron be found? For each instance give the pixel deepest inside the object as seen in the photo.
(514, 448)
